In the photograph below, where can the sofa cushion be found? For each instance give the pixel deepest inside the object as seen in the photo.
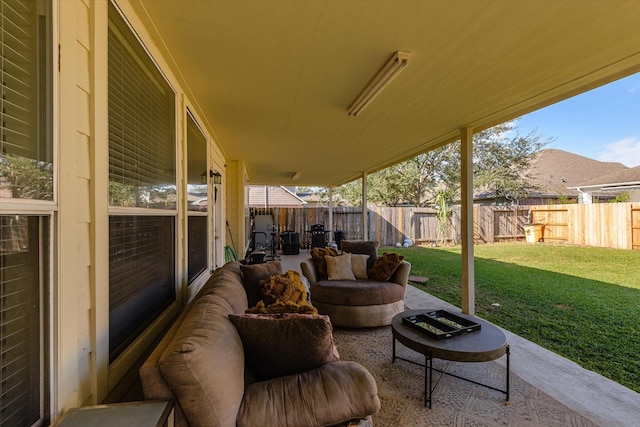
(204, 364)
(253, 274)
(339, 267)
(317, 255)
(284, 344)
(366, 247)
(359, 265)
(227, 283)
(356, 292)
(329, 395)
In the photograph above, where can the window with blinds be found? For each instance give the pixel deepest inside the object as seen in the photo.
(142, 165)
(197, 171)
(197, 199)
(26, 172)
(26, 169)
(142, 161)
(21, 339)
(141, 275)
(197, 262)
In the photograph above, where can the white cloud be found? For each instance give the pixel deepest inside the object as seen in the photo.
(625, 151)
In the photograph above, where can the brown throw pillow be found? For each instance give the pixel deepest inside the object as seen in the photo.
(317, 255)
(339, 267)
(384, 267)
(276, 345)
(367, 247)
(253, 274)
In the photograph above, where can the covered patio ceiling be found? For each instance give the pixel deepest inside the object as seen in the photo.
(274, 79)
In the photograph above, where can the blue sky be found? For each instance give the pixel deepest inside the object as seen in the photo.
(603, 124)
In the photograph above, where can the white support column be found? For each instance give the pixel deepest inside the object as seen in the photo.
(331, 230)
(365, 225)
(466, 190)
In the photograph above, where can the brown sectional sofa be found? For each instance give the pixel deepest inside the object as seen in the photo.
(200, 364)
(359, 303)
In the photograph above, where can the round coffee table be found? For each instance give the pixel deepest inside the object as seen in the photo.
(487, 343)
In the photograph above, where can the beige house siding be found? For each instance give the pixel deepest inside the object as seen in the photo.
(236, 188)
(75, 378)
(81, 373)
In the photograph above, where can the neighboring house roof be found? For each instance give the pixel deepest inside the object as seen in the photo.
(558, 172)
(628, 179)
(261, 196)
(555, 173)
(311, 198)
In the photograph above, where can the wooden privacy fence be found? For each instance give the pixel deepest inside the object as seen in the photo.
(608, 225)
(613, 225)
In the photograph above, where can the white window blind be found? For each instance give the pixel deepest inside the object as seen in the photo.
(19, 74)
(20, 352)
(197, 171)
(25, 149)
(141, 127)
(141, 275)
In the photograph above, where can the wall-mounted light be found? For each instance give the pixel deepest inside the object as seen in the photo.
(295, 176)
(217, 177)
(390, 71)
(203, 177)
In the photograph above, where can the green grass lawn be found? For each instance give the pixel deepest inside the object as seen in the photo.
(582, 303)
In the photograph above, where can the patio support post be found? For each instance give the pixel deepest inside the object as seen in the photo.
(466, 190)
(331, 239)
(365, 226)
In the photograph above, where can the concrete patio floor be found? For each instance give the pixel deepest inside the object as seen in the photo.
(597, 398)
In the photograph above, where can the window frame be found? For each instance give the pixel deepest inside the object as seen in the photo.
(45, 210)
(45, 93)
(123, 359)
(189, 116)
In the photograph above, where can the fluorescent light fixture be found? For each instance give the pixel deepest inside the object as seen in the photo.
(396, 64)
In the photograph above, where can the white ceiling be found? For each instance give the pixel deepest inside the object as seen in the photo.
(273, 79)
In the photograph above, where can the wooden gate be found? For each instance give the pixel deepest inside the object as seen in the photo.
(495, 224)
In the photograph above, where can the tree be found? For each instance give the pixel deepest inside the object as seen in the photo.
(26, 178)
(500, 157)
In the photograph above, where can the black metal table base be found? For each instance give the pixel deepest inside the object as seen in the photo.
(429, 386)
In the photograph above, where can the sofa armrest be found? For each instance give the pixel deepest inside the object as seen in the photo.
(401, 275)
(308, 269)
(333, 393)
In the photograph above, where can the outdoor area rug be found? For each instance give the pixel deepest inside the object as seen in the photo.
(455, 402)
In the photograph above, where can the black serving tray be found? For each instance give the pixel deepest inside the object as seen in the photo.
(440, 324)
